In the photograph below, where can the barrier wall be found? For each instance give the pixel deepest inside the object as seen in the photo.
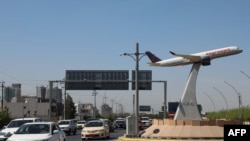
(187, 129)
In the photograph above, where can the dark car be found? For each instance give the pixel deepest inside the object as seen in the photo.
(110, 124)
(120, 124)
(140, 126)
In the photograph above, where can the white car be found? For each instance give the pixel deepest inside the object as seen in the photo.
(146, 122)
(95, 129)
(38, 131)
(68, 126)
(80, 124)
(13, 125)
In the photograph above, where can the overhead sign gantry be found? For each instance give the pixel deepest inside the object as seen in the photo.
(106, 80)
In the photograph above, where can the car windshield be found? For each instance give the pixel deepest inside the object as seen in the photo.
(94, 124)
(120, 122)
(63, 122)
(33, 129)
(18, 123)
(81, 122)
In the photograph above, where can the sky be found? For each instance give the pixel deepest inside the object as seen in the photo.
(40, 40)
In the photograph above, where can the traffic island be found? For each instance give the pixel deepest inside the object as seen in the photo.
(179, 130)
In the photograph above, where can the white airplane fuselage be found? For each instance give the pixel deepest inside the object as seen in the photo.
(197, 57)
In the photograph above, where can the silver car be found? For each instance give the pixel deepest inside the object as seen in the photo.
(68, 126)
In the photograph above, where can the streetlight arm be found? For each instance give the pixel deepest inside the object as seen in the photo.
(232, 88)
(143, 54)
(128, 54)
(210, 100)
(245, 74)
(221, 95)
(132, 55)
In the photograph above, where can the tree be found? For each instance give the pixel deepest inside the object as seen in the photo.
(70, 108)
(5, 118)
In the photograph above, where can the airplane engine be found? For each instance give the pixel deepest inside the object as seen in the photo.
(205, 60)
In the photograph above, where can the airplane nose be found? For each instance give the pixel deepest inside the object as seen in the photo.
(239, 50)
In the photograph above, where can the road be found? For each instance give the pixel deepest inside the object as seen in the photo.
(113, 136)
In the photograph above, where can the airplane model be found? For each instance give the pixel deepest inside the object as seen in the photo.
(184, 59)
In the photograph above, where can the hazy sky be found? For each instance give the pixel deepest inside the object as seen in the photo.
(40, 40)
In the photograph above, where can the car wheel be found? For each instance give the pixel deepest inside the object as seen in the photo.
(74, 132)
(108, 135)
(68, 133)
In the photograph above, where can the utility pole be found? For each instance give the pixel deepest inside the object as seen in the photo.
(2, 93)
(64, 106)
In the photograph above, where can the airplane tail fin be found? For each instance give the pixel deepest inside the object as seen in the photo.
(152, 57)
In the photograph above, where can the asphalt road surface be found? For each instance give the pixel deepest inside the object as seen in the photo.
(113, 136)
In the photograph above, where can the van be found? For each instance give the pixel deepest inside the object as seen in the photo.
(13, 125)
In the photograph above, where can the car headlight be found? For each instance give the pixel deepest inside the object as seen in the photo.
(101, 130)
(65, 128)
(8, 134)
(84, 131)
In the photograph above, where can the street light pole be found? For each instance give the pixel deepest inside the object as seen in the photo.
(239, 98)
(133, 104)
(136, 87)
(223, 98)
(211, 101)
(2, 93)
(64, 106)
(94, 109)
(136, 59)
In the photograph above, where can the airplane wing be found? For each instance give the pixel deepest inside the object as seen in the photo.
(192, 58)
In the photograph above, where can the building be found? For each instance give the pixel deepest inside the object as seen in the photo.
(57, 94)
(31, 107)
(84, 111)
(41, 92)
(12, 92)
(28, 106)
(106, 110)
